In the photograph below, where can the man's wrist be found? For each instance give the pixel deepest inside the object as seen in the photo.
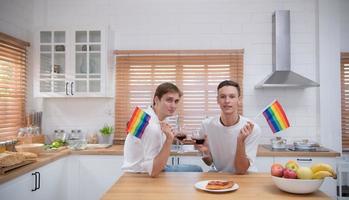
(169, 141)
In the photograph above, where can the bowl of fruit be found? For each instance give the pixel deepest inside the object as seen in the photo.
(297, 179)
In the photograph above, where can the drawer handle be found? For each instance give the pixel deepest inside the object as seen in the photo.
(39, 179)
(36, 181)
(71, 88)
(304, 159)
(66, 88)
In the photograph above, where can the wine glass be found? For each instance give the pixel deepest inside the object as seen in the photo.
(199, 139)
(180, 135)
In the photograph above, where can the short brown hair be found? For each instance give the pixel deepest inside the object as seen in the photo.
(229, 83)
(164, 88)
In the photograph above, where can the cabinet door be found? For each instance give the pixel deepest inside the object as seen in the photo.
(19, 188)
(52, 70)
(53, 181)
(97, 174)
(70, 63)
(329, 185)
(89, 62)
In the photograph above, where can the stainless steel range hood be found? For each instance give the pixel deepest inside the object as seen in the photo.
(282, 76)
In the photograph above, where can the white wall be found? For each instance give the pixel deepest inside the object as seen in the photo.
(194, 24)
(16, 19)
(344, 20)
(201, 24)
(329, 62)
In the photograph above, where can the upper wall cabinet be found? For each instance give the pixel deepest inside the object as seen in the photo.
(71, 63)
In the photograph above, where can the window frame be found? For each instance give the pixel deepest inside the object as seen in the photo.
(178, 59)
(344, 75)
(13, 85)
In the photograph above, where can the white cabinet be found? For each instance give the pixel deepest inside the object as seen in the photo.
(53, 181)
(51, 62)
(71, 63)
(52, 184)
(329, 186)
(262, 164)
(97, 174)
(19, 188)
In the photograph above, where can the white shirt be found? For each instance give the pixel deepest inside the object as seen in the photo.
(140, 153)
(222, 142)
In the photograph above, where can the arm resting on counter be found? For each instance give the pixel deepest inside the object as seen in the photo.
(241, 161)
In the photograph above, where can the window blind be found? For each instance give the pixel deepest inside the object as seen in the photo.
(345, 100)
(13, 81)
(196, 73)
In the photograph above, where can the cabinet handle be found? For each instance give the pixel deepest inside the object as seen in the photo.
(35, 184)
(71, 88)
(39, 179)
(66, 88)
(304, 159)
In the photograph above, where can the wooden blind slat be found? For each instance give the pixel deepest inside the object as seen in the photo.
(344, 100)
(13, 77)
(196, 73)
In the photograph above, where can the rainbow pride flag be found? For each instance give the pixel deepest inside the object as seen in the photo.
(276, 117)
(139, 120)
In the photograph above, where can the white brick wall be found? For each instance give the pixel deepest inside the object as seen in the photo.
(193, 24)
(187, 24)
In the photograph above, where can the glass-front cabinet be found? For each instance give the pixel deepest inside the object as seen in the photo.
(88, 61)
(71, 63)
(53, 59)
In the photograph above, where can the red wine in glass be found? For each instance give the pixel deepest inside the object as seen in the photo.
(181, 136)
(199, 140)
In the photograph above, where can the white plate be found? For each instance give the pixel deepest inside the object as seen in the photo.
(201, 185)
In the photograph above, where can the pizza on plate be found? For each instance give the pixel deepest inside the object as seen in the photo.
(219, 185)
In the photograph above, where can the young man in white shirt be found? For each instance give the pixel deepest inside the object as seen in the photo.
(151, 152)
(231, 140)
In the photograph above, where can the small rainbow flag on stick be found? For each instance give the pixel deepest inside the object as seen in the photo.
(139, 120)
(276, 117)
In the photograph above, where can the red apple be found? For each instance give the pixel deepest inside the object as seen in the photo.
(288, 173)
(277, 170)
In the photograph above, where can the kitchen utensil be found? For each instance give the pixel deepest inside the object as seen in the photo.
(278, 143)
(305, 144)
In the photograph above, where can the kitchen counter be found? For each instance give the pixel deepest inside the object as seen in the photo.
(181, 186)
(46, 158)
(263, 151)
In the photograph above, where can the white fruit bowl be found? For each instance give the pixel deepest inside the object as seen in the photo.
(297, 186)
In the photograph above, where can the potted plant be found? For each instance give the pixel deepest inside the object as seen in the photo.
(107, 134)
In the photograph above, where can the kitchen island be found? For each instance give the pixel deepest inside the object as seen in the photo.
(180, 186)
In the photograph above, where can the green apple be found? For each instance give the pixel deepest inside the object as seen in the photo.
(292, 165)
(304, 173)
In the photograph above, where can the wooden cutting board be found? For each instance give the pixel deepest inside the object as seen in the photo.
(55, 150)
(4, 170)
